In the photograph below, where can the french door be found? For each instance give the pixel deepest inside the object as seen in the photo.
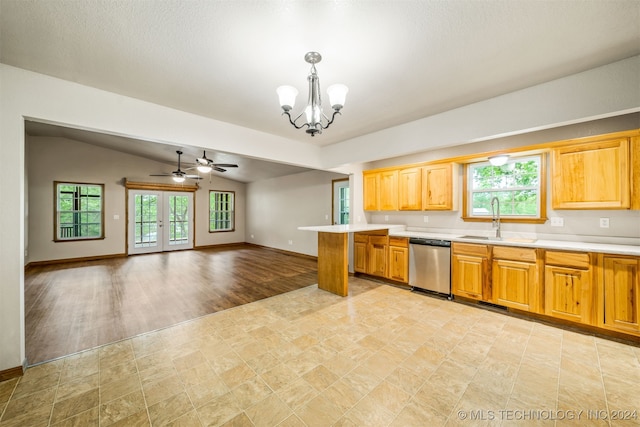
(160, 221)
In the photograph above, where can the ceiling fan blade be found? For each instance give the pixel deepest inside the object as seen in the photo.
(161, 174)
(225, 165)
(216, 168)
(193, 176)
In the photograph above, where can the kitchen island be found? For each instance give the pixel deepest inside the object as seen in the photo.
(333, 253)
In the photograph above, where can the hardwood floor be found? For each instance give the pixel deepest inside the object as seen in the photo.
(77, 306)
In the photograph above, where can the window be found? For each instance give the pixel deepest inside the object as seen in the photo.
(518, 185)
(79, 211)
(343, 197)
(221, 211)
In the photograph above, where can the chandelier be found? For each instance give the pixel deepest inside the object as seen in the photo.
(317, 121)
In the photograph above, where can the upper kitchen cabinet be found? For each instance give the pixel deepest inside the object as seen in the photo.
(371, 191)
(438, 186)
(592, 175)
(388, 198)
(410, 189)
(380, 190)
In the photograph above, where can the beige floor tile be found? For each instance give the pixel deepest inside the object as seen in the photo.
(188, 361)
(237, 375)
(78, 386)
(90, 418)
(27, 386)
(117, 372)
(391, 397)
(406, 379)
(162, 389)
(319, 412)
(251, 392)
(320, 377)
(75, 405)
(292, 421)
(139, 419)
(415, 414)
(271, 411)
(170, 409)
(440, 400)
(33, 409)
(369, 412)
(297, 393)
(7, 388)
(122, 408)
(219, 410)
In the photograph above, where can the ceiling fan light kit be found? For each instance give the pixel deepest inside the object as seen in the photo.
(316, 120)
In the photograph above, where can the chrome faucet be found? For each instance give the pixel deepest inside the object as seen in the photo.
(495, 217)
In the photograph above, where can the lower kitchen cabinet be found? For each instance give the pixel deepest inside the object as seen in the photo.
(398, 268)
(568, 286)
(516, 281)
(619, 307)
(360, 244)
(469, 269)
(377, 252)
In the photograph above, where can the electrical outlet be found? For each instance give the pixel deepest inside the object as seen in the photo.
(425, 218)
(252, 236)
(557, 221)
(604, 222)
(291, 242)
(326, 216)
(386, 217)
(116, 216)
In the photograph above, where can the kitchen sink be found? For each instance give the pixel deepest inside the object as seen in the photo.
(474, 237)
(493, 239)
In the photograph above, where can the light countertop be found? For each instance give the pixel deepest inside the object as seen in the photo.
(529, 243)
(401, 231)
(352, 228)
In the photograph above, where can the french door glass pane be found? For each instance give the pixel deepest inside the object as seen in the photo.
(146, 220)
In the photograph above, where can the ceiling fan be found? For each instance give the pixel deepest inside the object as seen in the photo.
(205, 165)
(178, 175)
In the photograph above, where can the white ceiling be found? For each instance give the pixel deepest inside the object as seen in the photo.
(402, 60)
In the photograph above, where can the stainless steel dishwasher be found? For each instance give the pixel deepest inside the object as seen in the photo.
(430, 265)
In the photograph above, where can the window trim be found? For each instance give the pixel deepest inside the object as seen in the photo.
(541, 219)
(56, 211)
(233, 216)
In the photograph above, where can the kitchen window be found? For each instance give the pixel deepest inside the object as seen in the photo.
(221, 211)
(518, 185)
(79, 211)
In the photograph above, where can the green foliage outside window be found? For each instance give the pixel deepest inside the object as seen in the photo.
(221, 211)
(79, 211)
(516, 184)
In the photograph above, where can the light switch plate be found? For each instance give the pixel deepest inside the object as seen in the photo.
(604, 222)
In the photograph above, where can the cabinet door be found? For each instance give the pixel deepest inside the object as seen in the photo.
(388, 190)
(568, 293)
(622, 294)
(360, 257)
(591, 176)
(399, 264)
(378, 256)
(370, 191)
(515, 284)
(468, 274)
(437, 187)
(410, 189)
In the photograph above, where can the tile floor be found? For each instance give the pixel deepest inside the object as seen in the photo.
(381, 357)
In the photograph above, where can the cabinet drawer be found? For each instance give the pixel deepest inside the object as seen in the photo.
(514, 253)
(568, 259)
(361, 238)
(470, 249)
(378, 240)
(402, 242)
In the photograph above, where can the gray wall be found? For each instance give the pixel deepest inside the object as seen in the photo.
(278, 206)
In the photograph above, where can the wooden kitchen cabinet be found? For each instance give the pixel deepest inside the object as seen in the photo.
(398, 266)
(592, 175)
(370, 191)
(438, 186)
(360, 248)
(370, 252)
(516, 278)
(377, 252)
(410, 189)
(568, 286)
(469, 270)
(388, 194)
(619, 305)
